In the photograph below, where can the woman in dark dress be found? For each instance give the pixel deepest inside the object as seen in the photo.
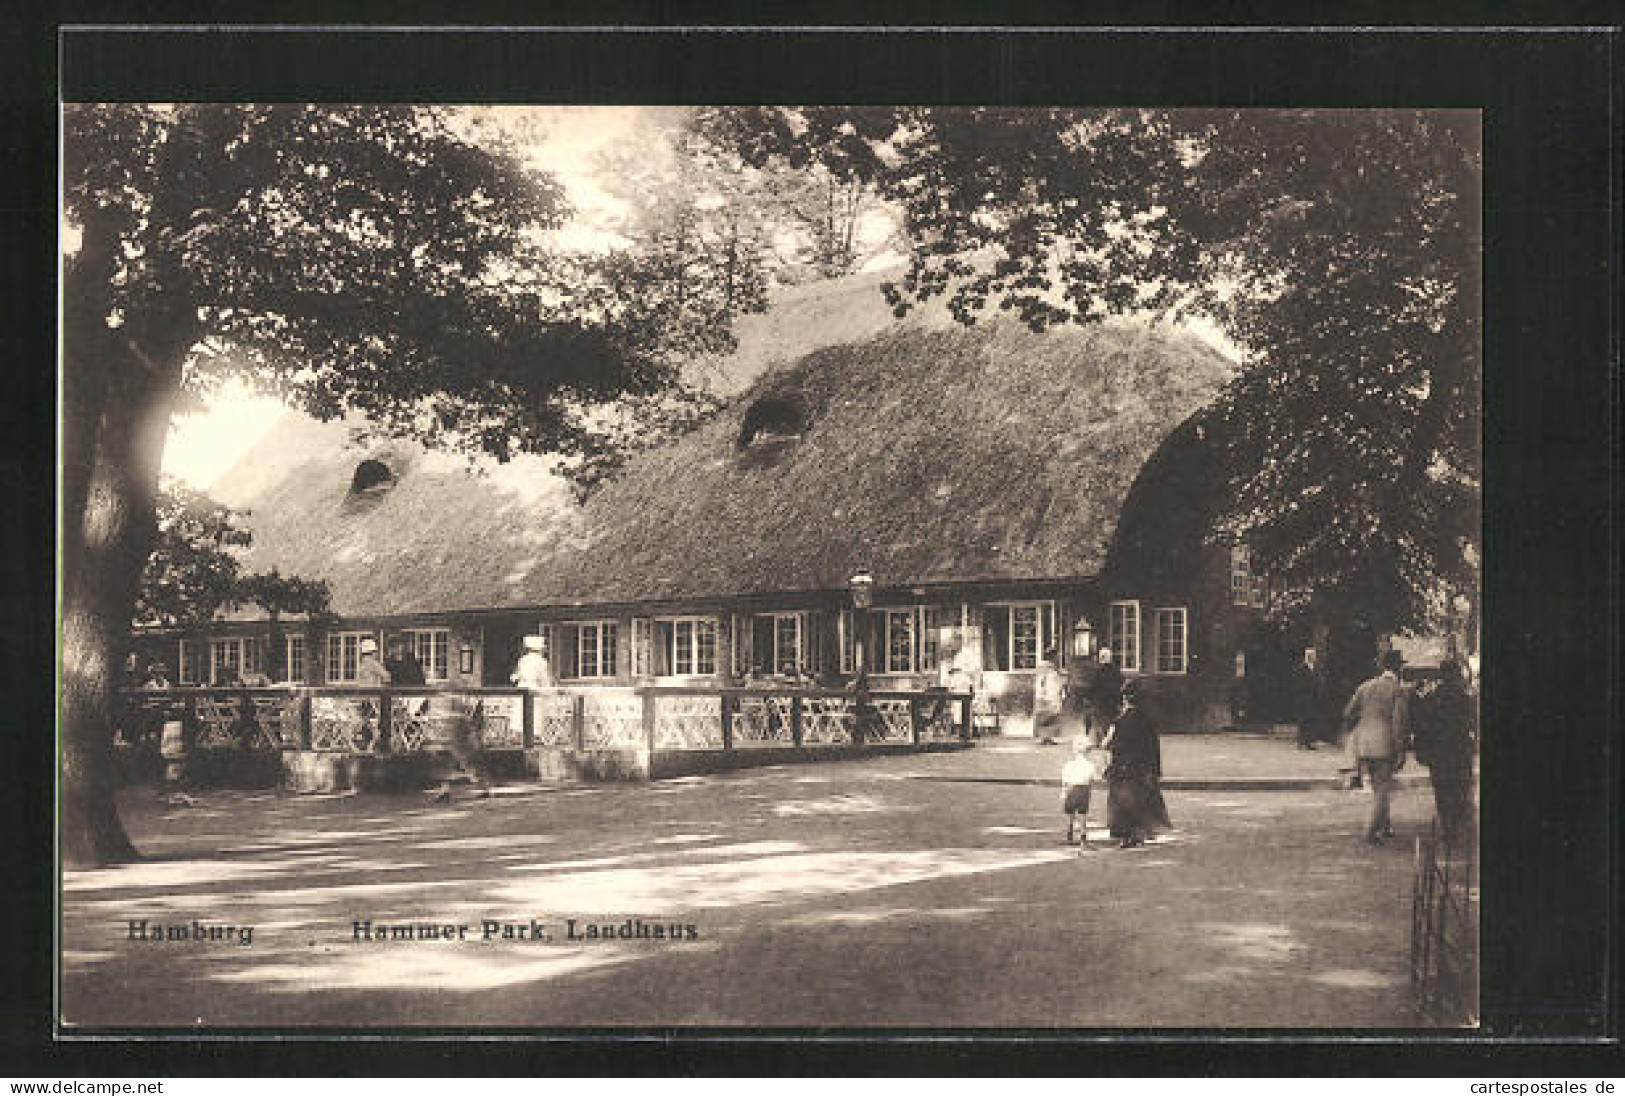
(1443, 741)
(1134, 806)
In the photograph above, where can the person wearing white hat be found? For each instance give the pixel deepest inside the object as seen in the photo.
(532, 671)
(370, 671)
(371, 674)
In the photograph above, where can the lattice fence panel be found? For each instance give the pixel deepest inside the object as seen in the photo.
(276, 722)
(939, 720)
(688, 722)
(217, 719)
(893, 725)
(612, 720)
(762, 721)
(343, 724)
(553, 713)
(827, 720)
(500, 722)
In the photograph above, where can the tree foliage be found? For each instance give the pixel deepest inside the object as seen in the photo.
(367, 259)
(820, 219)
(1339, 250)
(370, 259)
(194, 570)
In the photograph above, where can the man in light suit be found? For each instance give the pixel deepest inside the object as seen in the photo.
(1377, 717)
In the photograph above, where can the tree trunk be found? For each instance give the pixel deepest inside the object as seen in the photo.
(118, 442)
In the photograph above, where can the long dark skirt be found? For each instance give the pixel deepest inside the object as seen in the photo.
(1134, 807)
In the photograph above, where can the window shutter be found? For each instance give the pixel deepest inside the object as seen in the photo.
(812, 645)
(641, 641)
(996, 638)
(566, 650)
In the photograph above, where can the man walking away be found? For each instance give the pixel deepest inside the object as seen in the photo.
(1377, 717)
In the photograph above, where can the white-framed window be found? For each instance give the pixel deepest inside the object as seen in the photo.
(293, 657)
(595, 649)
(1016, 634)
(432, 649)
(226, 660)
(899, 640)
(187, 663)
(685, 646)
(776, 642)
(903, 639)
(910, 638)
(1171, 653)
(344, 655)
(1123, 636)
(787, 641)
(1247, 588)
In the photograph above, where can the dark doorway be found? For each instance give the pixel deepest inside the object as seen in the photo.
(1273, 654)
(503, 644)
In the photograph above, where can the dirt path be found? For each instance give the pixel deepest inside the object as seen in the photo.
(849, 894)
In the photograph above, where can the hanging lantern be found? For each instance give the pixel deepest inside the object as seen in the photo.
(1083, 639)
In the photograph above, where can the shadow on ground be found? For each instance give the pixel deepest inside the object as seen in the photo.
(835, 896)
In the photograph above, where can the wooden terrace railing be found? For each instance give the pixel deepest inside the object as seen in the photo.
(655, 717)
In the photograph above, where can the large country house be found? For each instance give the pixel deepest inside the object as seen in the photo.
(1006, 492)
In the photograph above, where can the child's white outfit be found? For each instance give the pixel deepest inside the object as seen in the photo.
(1077, 782)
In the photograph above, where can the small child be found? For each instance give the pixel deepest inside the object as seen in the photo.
(1077, 781)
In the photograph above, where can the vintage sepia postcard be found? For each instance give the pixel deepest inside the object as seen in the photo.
(796, 566)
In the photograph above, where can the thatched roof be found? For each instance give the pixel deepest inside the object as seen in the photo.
(928, 456)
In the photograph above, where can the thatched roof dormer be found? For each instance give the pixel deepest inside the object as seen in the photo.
(928, 455)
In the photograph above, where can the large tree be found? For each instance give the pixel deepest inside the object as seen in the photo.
(1338, 250)
(371, 259)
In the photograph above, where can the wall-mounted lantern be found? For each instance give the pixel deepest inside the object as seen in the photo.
(863, 589)
(1083, 639)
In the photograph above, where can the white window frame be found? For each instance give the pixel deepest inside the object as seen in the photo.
(1126, 653)
(218, 644)
(597, 630)
(910, 619)
(1045, 640)
(1180, 614)
(293, 650)
(333, 667)
(781, 623)
(426, 645)
(696, 624)
(186, 663)
(798, 652)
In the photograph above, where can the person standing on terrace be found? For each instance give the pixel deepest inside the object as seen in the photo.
(532, 671)
(370, 673)
(403, 669)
